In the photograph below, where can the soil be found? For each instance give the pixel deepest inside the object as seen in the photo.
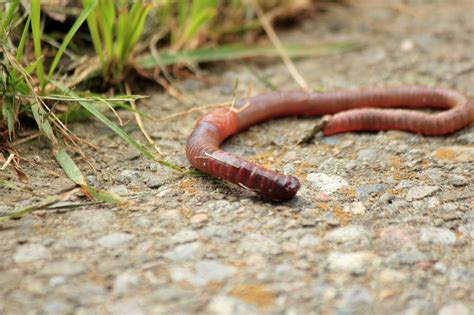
(382, 223)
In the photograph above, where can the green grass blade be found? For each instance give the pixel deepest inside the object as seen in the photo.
(69, 166)
(8, 112)
(36, 31)
(95, 35)
(232, 52)
(24, 36)
(198, 6)
(124, 27)
(75, 27)
(36, 206)
(78, 113)
(105, 21)
(165, 11)
(102, 118)
(104, 195)
(138, 29)
(75, 174)
(8, 17)
(43, 124)
(135, 12)
(183, 8)
(197, 21)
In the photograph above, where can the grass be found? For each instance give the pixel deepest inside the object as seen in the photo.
(114, 29)
(49, 84)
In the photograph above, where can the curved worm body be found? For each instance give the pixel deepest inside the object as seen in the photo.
(372, 109)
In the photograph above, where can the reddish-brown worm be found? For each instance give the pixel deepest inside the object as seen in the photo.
(370, 109)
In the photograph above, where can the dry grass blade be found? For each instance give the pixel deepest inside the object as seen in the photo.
(8, 161)
(45, 203)
(139, 120)
(25, 139)
(278, 45)
(235, 52)
(106, 121)
(192, 110)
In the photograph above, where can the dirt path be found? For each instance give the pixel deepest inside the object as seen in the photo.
(382, 224)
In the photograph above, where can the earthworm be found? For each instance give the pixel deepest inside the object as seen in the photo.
(357, 110)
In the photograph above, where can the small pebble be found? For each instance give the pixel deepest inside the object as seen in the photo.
(216, 232)
(120, 190)
(199, 219)
(434, 174)
(290, 155)
(419, 192)
(57, 280)
(408, 255)
(437, 236)
(127, 307)
(355, 262)
(323, 293)
(331, 140)
(327, 183)
(114, 240)
(279, 140)
(355, 297)
(130, 175)
(171, 294)
(347, 233)
(322, 197)
(184, 252)
(351, 165)
(126, 282)
(386, 198)
(205, 271)
(457, 180)
(407, 45)
(309, 240)
(225, 305)
(405, 183)
(398, 234)
(30, 253)
(391, 276)
(257, 243)
(213, 270)
(420, 306)
(365, 191)
(454, 308)
(154, 182)
(56, 306)
(467, 138)
(440, 267)
(63, 268)
(367, 155)
(355, 208)
(184, 236)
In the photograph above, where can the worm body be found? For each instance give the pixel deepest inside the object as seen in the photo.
(371, 109)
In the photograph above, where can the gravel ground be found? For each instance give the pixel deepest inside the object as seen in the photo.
(382, 224)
